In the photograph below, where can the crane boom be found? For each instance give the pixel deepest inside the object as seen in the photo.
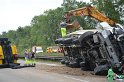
(89, 11)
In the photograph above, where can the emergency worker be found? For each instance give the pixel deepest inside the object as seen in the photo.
(63, 29)
(27, 62)
(33, 62)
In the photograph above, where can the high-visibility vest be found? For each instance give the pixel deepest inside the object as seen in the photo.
(63, 32)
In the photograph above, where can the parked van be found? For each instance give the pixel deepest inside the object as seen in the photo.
(37, 49)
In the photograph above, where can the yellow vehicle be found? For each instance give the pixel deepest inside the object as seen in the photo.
(8, 53)
(53, 49)
(49, 50)
(87, 11)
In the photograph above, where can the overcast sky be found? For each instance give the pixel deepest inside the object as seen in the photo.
(15, 13)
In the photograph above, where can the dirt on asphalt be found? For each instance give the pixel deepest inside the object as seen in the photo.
(62, 69)
(55, 67)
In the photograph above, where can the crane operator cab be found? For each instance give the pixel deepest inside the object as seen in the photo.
(8, 53)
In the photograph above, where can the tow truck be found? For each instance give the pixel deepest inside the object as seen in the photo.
(93, 50)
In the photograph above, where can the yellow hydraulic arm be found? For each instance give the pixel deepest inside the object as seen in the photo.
(89, 11)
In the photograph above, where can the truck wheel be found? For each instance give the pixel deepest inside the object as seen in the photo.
(84, 69)
(101, 70)
(82, 64)
(62, 61)
(58, 41)
(67, 41)
(67, 63)
(74, 65)
(85, 36)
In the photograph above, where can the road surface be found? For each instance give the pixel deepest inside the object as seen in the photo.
(31, 74)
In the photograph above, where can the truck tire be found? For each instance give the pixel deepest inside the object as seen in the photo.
(84, 69)
(101, 70)
(85, 35)
(67, 63)
(74, 65)
(67, 41)
(59, 41)
(62, 61)
(82, 64)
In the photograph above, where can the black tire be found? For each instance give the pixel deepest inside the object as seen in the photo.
(85, 35)
(74, 65)
(67, 63)
(84, 69)
(75, 41)
(101, 70)
(82, 64)
(62, 61)
(59, 41)
(67, 41)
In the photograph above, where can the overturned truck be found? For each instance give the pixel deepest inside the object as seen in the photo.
(95, 50)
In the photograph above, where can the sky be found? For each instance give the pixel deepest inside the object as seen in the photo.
(15, 13)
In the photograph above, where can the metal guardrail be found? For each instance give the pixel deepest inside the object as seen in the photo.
(55, 58)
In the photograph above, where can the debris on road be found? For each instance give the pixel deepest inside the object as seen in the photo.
(63, 70)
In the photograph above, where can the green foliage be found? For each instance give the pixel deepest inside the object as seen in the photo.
(109, 8)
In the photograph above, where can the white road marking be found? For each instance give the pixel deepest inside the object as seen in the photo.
(76, 79)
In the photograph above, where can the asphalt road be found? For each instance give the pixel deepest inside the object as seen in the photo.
(31, 74)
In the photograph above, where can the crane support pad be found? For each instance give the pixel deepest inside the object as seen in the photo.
(18, 67)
